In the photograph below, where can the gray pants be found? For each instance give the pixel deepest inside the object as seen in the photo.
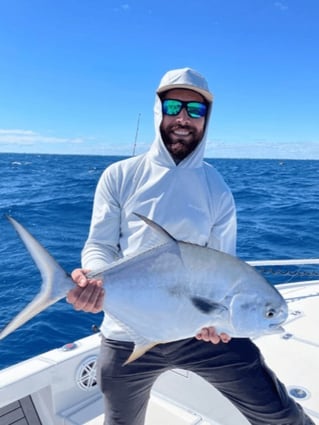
(236, 369)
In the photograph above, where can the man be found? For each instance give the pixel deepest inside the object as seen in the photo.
(172, 185)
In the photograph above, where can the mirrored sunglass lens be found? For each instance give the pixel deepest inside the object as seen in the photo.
(172, 107)
(196, 109)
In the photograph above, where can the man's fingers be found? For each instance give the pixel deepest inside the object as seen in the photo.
(79, 277)
(209, 334)
(225, 338)
(96, 300)
(89, 298)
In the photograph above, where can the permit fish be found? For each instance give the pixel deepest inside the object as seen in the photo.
(167, 293)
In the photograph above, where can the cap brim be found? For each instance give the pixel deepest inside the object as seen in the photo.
(206, 94)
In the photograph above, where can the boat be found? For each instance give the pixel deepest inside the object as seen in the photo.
(59, 387)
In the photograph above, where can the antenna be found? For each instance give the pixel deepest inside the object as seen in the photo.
(136, 134)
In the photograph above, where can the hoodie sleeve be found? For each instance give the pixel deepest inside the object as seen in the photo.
(223, 235)
(102, 245)
(224, 231)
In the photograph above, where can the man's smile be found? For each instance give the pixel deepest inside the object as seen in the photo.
(181, 132)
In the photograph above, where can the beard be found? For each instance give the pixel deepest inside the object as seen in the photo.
(180, 146)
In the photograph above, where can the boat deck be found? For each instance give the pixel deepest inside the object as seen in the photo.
(160, 411)
(21, 412)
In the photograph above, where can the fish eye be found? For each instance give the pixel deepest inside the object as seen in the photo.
(270, 313)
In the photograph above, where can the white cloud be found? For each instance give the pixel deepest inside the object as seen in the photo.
(125, 7)
(18, 140)
(23, 132)
(263, 149)
(29, 137)
(280, 5)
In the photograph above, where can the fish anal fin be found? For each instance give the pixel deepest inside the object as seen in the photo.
(138, 351)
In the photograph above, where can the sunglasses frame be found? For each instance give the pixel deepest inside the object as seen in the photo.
(182, 105)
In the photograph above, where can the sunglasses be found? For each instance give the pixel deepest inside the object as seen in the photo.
(173, 107)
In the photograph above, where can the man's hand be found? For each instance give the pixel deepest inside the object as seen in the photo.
(210, 335)
(88, 294)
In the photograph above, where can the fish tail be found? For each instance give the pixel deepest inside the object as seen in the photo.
(55, 281)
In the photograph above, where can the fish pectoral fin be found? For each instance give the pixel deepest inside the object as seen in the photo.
(138, 351)
(206, 306)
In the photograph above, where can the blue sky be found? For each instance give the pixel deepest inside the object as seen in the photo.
(76, 74)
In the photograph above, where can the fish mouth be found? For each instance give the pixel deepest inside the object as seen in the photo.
(278, 329)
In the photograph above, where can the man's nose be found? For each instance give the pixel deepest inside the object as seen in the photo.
(182, 116)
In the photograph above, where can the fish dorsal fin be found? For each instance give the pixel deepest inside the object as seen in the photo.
(165, 238)
(139, 350)
(207, 306)
(164, 233)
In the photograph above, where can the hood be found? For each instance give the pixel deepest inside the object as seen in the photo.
(186, 78)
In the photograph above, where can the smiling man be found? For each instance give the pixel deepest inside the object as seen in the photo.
(172, 185)
(183, 123)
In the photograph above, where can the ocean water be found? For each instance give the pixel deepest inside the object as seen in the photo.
(278, 218)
